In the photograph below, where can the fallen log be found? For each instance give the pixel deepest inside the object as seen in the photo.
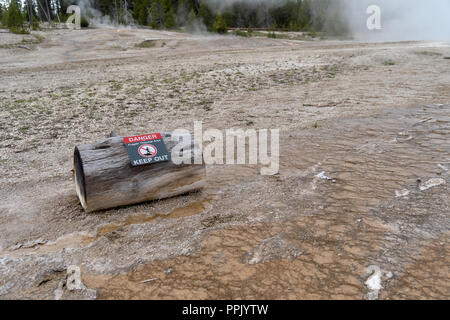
(104, 177)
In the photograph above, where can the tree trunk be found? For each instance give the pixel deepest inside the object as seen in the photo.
(104, 177)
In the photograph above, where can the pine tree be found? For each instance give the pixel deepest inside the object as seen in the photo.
(182, 12)
(220, 26)
(14, 17)
(205, 13)
(1, 13)
(169, 19)
(166, 5)
(305, 15)
(140, 11)
(191, 20)
(143, 15)
(156, 19)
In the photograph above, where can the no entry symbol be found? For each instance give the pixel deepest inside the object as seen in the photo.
(147, 150)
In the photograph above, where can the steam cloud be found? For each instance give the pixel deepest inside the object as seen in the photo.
(401, 19)
(98, 20)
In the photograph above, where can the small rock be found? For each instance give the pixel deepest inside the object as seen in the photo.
(431, 183)
(168, 271)
(401, 193)
(322, 175)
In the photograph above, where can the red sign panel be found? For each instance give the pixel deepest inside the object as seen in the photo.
(146, 137)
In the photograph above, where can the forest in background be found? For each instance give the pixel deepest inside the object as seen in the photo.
(192, 15)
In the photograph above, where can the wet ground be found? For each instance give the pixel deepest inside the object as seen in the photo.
(350, 203)
(359, 209)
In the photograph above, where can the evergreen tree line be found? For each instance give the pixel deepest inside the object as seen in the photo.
(291, 15)
(17, 16)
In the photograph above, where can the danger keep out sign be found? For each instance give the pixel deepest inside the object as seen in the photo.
(146, 149)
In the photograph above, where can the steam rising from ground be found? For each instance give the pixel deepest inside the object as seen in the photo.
(120, 18)
(400, 19)
(95, 17)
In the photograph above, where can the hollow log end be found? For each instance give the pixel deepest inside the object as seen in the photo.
(80, 184)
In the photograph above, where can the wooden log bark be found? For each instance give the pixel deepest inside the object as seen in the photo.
(104, 177)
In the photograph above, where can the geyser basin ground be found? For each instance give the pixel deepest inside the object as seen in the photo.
(378, 130)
